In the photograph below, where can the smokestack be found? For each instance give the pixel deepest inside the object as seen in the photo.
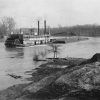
(49, 31)
(20, 30)
(44, 27)
(38, 28)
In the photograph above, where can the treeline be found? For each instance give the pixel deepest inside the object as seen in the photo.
(79, 30)
(7, 25)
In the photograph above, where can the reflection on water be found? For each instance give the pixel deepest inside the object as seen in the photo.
(19, 60)
(16, 61)
(15, 52)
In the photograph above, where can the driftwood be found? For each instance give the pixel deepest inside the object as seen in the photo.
(14, 76)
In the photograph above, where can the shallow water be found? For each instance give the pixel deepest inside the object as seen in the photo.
(16, 61)
(19, 60)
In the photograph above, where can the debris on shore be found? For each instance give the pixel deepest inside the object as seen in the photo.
(63, 79)
(14, 76)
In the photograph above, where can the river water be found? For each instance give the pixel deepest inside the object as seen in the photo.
(19, 60)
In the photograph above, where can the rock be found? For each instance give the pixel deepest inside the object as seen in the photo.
(79, 78)
(72, 78)
(86, 77)
(69, 98)
(12, 92)
(37, 86)
(82, 83)
(42, 72)
(25, 98)
(95, 57)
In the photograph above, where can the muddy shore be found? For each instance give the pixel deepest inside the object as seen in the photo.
(60, 79)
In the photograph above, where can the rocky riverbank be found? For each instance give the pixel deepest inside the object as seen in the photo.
(60, 79)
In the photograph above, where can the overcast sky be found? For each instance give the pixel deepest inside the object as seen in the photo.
(56, 12)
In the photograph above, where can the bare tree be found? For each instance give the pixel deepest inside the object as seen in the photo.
(8, 24)
(36, 57)
(39, 56)
(3, 30)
